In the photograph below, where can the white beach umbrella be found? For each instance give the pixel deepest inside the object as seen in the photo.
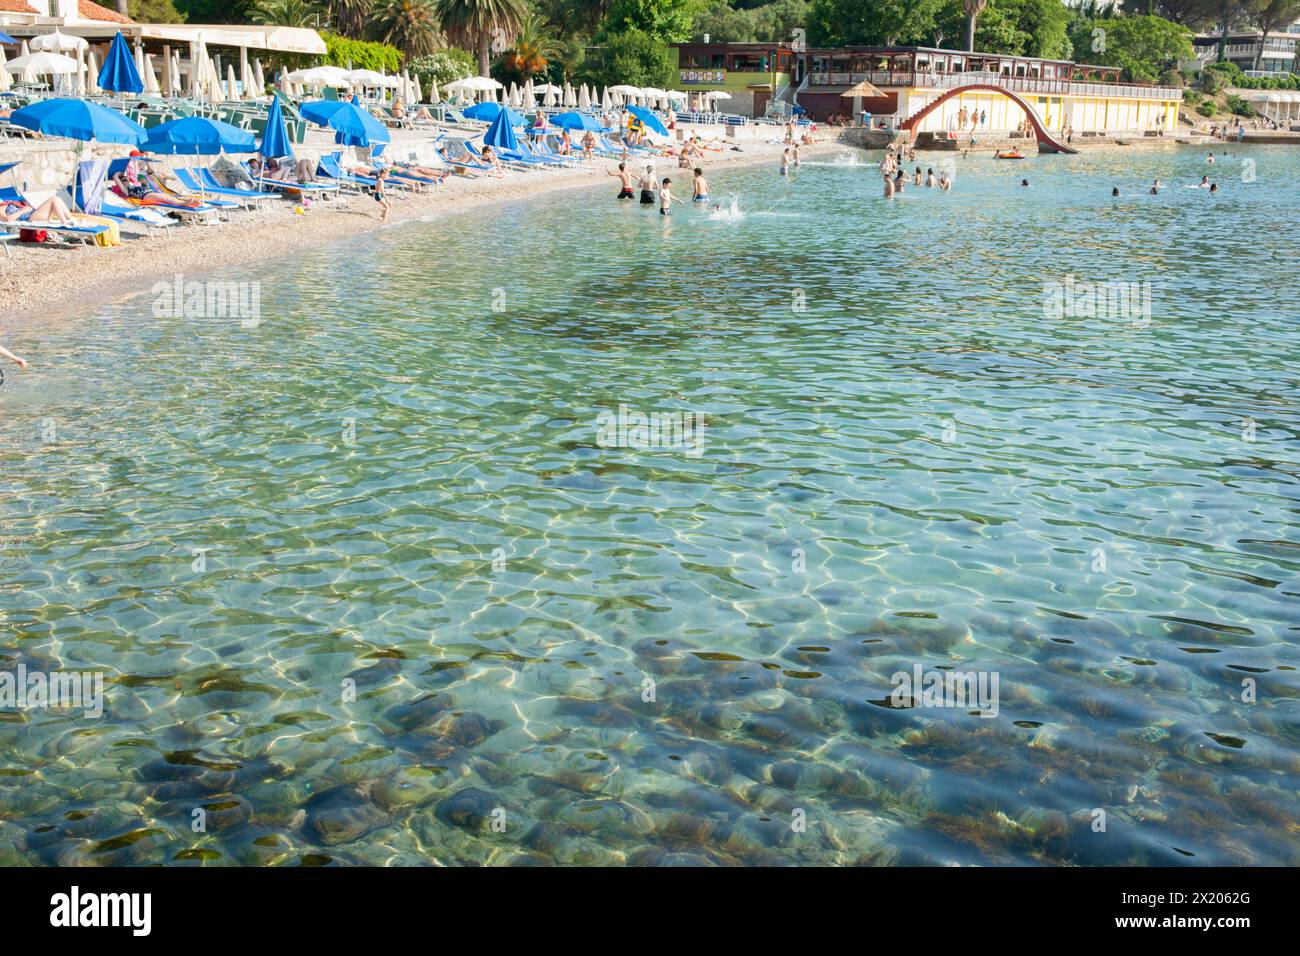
(653, 92)
(434, 96)
(5, 82)
(215, 94)
(57, 42)
(198, 58)
(550, 98)
(250, 87)
(232, 89)
(584, 98)
(259, 78)
(569, 98)
(43, 64)
(149, 77)
(366, 79)
(605, 102)
(138, 55)
(475, 84)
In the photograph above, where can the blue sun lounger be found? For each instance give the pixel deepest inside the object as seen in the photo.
(194, 181)
(325, 190)
(135, 219)
(78, 233)
(329, 166)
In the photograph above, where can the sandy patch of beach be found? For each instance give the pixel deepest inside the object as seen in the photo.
(48, 281)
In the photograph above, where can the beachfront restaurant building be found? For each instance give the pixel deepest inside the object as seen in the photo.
(1089, 99)
(174, 47)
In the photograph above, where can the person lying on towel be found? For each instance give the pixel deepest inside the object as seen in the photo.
(131, 184)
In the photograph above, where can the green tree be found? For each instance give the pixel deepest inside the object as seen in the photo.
(1267, 15)
(1014, 27)
(214, 11)
(474, 23)
(629, 56)
(155, 11)
(287, 13)
(666, 20)
(351, 17)
(871, 22)
(1143, 47)
(725, 24)
(413, 26)
(972, 9)
(363, 55)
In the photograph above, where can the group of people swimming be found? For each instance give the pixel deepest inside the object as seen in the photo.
(896, 178)
(661, 192)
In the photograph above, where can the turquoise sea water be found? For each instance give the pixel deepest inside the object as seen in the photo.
(369, 584)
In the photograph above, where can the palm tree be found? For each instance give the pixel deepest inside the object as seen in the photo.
(973, 10)
(412, 26)
(350, 16)
(534, 47)
(473, 22)
(285, 13)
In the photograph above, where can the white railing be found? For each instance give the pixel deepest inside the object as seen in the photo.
(1021, 84)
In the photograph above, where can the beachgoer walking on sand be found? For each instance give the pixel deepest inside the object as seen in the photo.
(625, 178)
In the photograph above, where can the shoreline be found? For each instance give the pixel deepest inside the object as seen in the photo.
(38, 282)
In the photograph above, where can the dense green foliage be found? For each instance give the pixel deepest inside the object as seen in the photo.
(628, 41)
(1143, 46)
(362, 54)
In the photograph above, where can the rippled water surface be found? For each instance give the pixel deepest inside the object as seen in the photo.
(368, 584)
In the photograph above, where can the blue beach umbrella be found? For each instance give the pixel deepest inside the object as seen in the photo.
(501, 134)
(649, 119)
(275, 141)
(352, 125)
(6, 38)
(198, 136)
(579, 121)
(488, 112)
(119, 74)
(78, 119)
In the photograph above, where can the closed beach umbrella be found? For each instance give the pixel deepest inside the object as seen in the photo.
(549, 99)
(232, 89)
(259, 78)
(78, 119)
(501, 134)
(417, 95)
(119, 74)
(275, 141)
(584, 98)
(198, 136)
(4, 74)
(434, 97)
(215, 94)
(92, 74)
(352, 125)
(57, 42)
(150, 77)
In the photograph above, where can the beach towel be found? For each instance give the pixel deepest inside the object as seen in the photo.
(92, 175)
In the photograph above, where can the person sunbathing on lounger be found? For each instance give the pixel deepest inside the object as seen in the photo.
(399, 112)
(53, 209)
(130, 184)
(490, 157)
(300, 171)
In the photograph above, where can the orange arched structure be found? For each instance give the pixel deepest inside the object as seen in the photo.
(1046, 142)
